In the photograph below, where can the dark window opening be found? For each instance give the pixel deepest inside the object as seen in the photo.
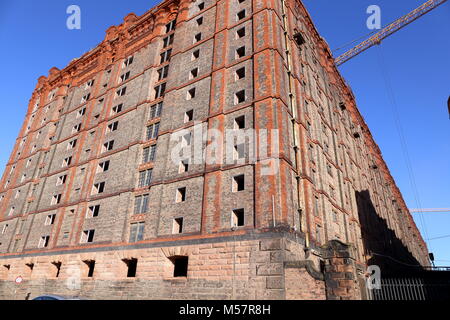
(165, 56)
(91, 267)
(198, 37)
(238, 218)
(170, 26)
(113, 126)
(160, 90)
(181, 195)
(240, 73)
(117, 108)
(163, 73)
(128, 61)
(132, 267)
(178, 226)
(121, 92)
(240, 97)
(240, 52)
(189, 116)
(87, 236)
(104, 166)
(180, 266)
(95, 210)
(109, 145)
(91, 236)
(124, 77)
(240, 122)
(58, 268)
(184, 166)
(191, 94)
(194, 73)
(299, 39)
(241, 32)
(99, 187)
(239, 183)
(241, 15)
(167, 41)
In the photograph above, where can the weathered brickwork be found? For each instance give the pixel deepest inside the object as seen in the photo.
(224, 268)
(91, 177)
(310, 289)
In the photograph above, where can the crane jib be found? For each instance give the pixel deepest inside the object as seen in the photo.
(389, 30)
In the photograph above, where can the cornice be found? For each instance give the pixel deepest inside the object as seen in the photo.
(132, 30)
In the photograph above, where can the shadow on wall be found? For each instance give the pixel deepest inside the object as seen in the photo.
(400, 281)
(378, 238)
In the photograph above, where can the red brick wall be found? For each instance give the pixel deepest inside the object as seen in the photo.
(310, 288)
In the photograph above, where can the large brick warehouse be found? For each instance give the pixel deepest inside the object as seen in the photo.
(93, 204)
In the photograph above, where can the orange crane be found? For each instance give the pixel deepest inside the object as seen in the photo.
(389, 30)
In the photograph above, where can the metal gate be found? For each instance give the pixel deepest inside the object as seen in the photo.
(430, 285)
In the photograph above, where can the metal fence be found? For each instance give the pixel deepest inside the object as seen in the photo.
(412, 288)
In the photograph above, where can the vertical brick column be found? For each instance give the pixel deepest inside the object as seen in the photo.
(340, 272)
(269, 280)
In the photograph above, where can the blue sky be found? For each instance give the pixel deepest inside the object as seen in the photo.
(416, 60)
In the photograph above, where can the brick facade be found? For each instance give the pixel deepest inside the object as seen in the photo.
(331, 182)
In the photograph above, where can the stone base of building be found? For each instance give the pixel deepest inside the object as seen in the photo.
(265, 265)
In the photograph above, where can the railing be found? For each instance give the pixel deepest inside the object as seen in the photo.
(413, 288)
(399, 289)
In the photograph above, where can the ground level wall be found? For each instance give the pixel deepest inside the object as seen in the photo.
(258, 266)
